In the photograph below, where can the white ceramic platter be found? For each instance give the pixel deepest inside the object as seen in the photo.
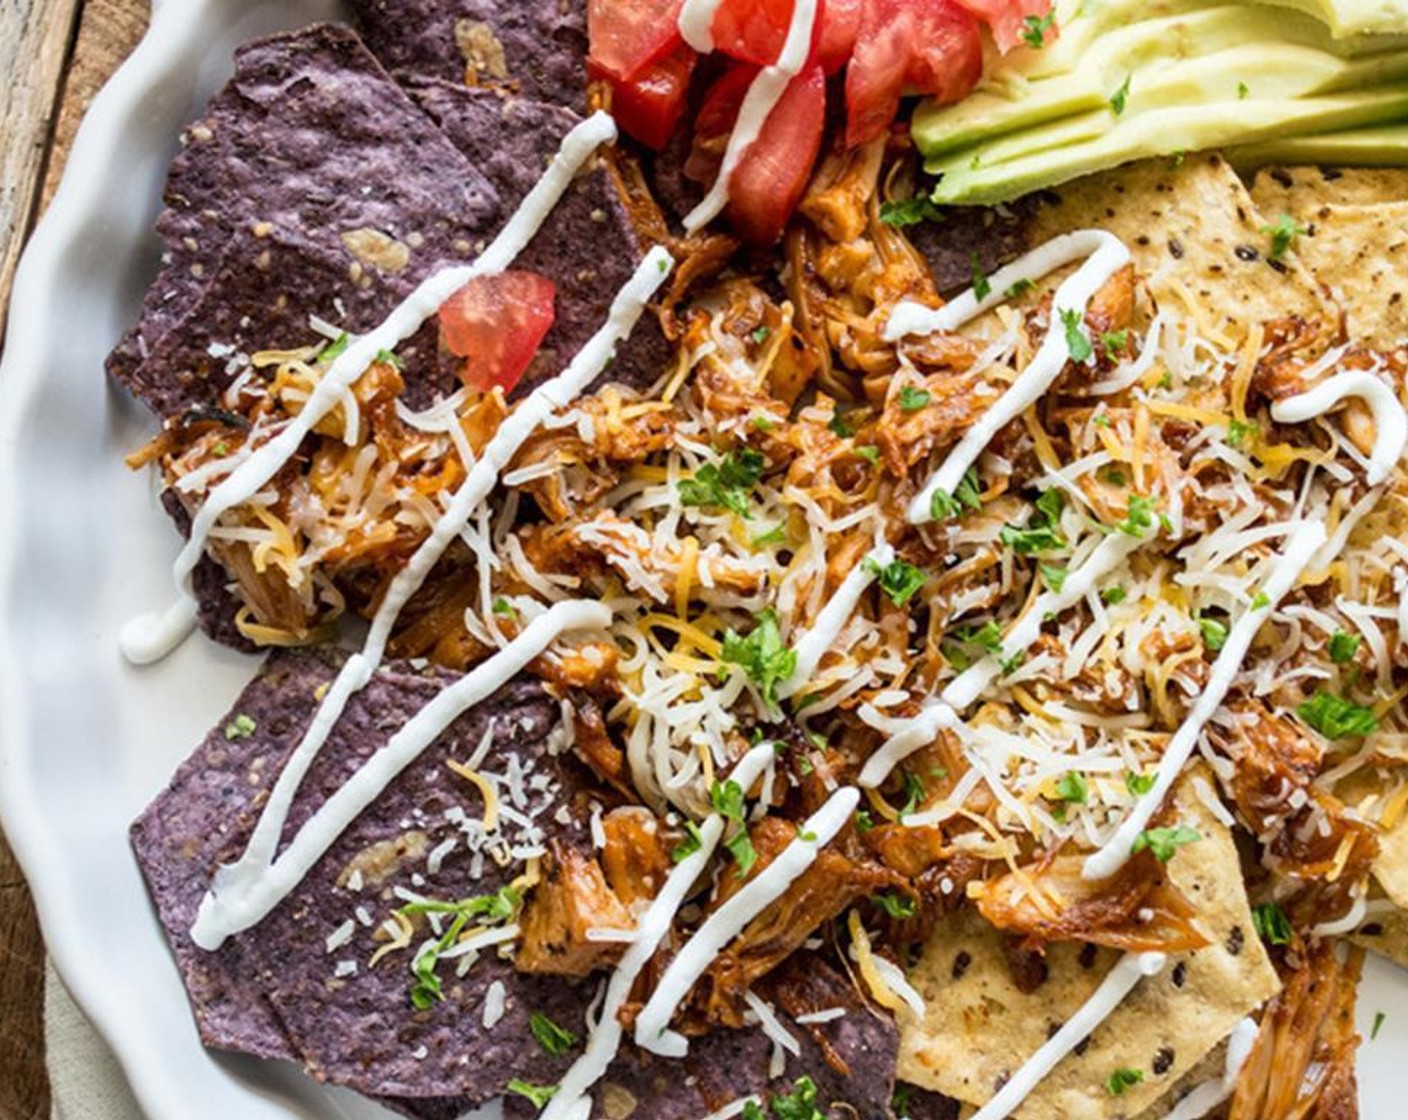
(86, 740)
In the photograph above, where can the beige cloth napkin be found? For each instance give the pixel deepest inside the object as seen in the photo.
(85, 1080)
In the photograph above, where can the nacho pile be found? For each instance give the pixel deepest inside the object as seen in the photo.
(825, 811)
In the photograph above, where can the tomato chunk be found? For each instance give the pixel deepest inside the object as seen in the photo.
(1008, 20)
(840, 23)
(754, 31)
(496, 324)
(627, 36)
(771, 178)
(931, 47)
(651, 105)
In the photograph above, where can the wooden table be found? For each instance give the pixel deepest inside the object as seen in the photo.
(54, 55)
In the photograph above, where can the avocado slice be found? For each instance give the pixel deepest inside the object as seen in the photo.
(1030, 160)
(1376, 146)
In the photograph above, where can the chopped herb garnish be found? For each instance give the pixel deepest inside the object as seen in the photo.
(1271, 924)
(1035, 29)
(1139, 516)
(899, 1100)
(982, 287)
(1054, 575)
(864, 821)
(1260, 601)
(837, 425)
(913, 794)
(388, 358)
(894, 904)
(910, 211)
(497, 907)
(968, 495)
(762, 655)
(1077, 341)
(1073, 787)
(426, 989)
(740, 845)
(504, 609)
(869, 452)
(1032, 538)
(1139, 784)
(1337, 718)
(335, 349)
(800, 1104)
(773, 536)
(241, 727)
(1379, 1018)
(1343, 647)
(1019, 288)
(1243, 91)
(1214, 632)
(691, 843)
(1114, 342)
(726, 483)
(760, 335)
(727, 799)
(1283, 233)
(912, 399)
(538, 1095)
(1165, 842)
(1238, 431)
(1121, 96)
(1113, 595)
(898, 579)
(753, 1111)
(554, 1040)
(763, 424)
(1123, 1079)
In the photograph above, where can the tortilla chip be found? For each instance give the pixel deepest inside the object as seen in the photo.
(979, 1027)
(536, 48)
(1385, 931)
(1360, 254)
(1196, 234)
(1302, 191)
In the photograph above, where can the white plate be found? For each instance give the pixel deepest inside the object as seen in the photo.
(86, 740)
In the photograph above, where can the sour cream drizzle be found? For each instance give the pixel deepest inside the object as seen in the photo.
(1300, 550)
(729, 920)
(918, 732)
(150, 637)
(1210, 1094)
(571, 1102)
(696, 23)
(761, 99)
(242, 895)
(1390, 420)
(1121, 980)
(1106, 254)
(832, 618)
(241, 878)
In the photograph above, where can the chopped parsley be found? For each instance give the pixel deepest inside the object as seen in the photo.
(241, 727)
(1165, 842)
(1073, 788)
(800, 1104)
(1114, 342)
(837, 425)
(538, 1095)
(869, 452)
(1121, 96)
(1123, 1079)
(1035, 29)
(1243, 91)
(1042, 531)
(1343, 647)
(1113, 595)
(725, 484)
(727, 799)
(763, 423)
(1283, 233)
(1103, 420)
(775, 535)
(1139, 516)
(504, 609)
(1054, 575)
(913, 794)
(691, 843)
(388, 358)
(1214, 632)
(1271, 924)
(761, 335)
(335, 349)
(762, 655)
(899, 1100)
(1379, 1018)
(899, 580)
(497, 907)
(1019, 288)
(967, 495)
(426, 989)
(894, 904)
(554, 1040)
(864, 821)
(1077, 341)
(1139, 784)
(982, 287)
(910, 211)
(1337, 718)
(987, 637)
(753, 1111)
(1238, 431)
(912, 399)
(1260, 601)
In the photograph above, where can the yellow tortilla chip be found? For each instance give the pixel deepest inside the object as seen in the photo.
(1302, 191)
(979, 1029)
(1196, 234)
(1360, 255)
(1385, 932)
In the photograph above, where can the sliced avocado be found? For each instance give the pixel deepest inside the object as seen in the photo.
(1197, 56)
(1350, 18)
(1378, 146)
(979, 176)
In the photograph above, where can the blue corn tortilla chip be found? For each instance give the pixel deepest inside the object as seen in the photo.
(535, 48)
(588, 245)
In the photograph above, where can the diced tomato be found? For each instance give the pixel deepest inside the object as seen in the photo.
(771, 178)
(838, 33)
(1008, 20)
(714, 122)
(497, 323)
(754, 31)
(627, 36)
(931, 47)
(650, 106)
